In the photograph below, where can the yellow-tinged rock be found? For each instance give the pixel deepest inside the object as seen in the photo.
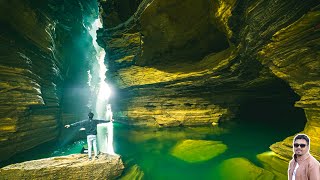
(125, 40)
(214, 124)
(222, 12)
(194, 151)
(242, 169)
(145, 135)
(271, 162)
(136, 75)
(134, 173)
(125, 59)
(75, 166)
(8, 128)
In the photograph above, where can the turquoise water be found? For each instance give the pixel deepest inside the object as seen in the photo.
(50, 149)
(151, 150)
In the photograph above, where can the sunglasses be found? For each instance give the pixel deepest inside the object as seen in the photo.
(297, 145)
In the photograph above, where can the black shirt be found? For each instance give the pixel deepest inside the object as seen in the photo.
(90, 125)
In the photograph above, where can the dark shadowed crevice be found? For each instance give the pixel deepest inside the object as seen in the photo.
(273, 107)
(118, 11)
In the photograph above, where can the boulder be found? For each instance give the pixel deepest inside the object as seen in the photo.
(75, 166)
(273, 163)
(198, 150)
(134, 173)
(241, 168)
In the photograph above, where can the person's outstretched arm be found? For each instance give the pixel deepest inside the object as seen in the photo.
(75, 124)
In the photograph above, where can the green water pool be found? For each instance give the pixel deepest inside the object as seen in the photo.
(230, 151)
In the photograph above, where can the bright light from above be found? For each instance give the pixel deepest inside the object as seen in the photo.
(89, 78)
(104, 92)
(102, 89)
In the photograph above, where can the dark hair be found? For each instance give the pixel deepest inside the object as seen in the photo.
(302, 136)
(90, 115)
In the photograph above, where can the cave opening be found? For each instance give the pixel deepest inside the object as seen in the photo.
(272, 106)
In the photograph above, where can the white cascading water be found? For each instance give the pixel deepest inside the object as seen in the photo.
(102, 107)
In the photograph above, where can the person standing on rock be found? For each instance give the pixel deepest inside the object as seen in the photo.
(90, 126)
(303, 165)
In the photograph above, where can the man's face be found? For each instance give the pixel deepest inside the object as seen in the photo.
(302, 148)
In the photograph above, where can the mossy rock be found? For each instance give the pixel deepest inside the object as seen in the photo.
(134, 173)
(241, 168)
(198, 150)
(271, 162)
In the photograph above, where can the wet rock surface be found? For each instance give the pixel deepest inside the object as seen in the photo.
(160, 84)
(76, 166)
(194, 151)
(172, 63)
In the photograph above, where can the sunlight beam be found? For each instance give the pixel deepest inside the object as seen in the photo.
(103, 92)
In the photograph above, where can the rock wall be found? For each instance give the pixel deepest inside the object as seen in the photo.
(171, 63)
(293, 56)
(190, 63)
(163, 94)
(40, 54)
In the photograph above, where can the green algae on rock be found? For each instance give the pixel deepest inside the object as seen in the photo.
(198, 150)
(272, 162)
(242, 168)
(134, 173)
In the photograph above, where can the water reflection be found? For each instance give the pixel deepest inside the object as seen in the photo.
(236, 151)
(232, 151)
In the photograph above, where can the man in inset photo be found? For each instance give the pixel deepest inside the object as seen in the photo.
(303, 165)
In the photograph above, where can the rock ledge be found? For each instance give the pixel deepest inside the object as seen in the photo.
(75, 166)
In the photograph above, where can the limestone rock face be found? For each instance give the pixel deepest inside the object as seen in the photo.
(293, 56)
(76, 166)
(179, 96)
(171, 62)
(39, 56)
(114, 12)
(183, 31)
(149, 59)
(197, 62)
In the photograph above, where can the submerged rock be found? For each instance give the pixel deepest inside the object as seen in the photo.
(241, 168)
(134, 173)
(271, 162)
(198, 150)
(75, 166)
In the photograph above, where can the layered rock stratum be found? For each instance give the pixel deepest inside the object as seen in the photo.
(170, 62)
(45, 53)
(76, 166)
(180, 63)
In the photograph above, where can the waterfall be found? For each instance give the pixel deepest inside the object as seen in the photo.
(102, 92)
